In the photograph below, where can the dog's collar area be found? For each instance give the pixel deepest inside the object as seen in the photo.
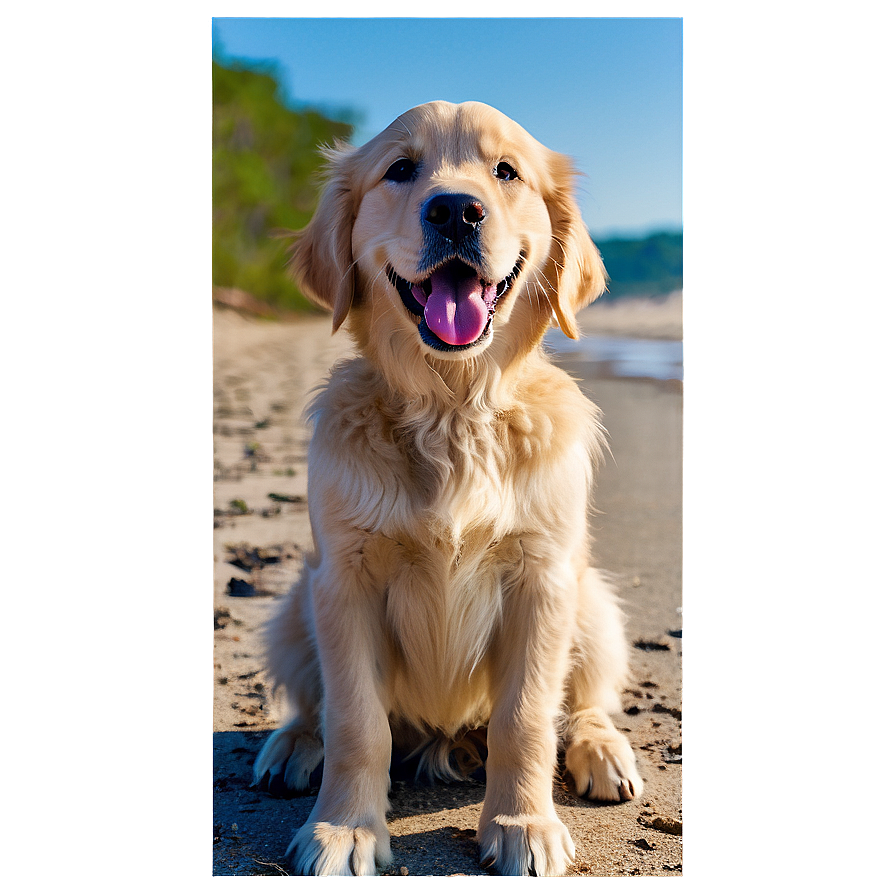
(464, 304)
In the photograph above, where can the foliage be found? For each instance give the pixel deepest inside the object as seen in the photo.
(265, 166)
(650, 266)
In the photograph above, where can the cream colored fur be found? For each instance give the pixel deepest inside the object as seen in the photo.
(449, 586)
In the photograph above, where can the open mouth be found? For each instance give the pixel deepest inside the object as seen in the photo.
(454, 306)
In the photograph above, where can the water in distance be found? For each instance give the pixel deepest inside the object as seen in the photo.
(655, 359)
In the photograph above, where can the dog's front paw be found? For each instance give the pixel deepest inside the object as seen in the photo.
(526, 844)
(602, 765)
(324, 848)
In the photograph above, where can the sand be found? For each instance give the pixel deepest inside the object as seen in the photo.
(636, 316)
(263, 374)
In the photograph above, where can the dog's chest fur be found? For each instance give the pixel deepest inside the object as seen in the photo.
(440, 502)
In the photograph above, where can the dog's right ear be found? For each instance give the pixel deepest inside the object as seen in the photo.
(321, 259)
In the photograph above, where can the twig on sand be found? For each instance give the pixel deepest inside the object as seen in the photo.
(282, 871)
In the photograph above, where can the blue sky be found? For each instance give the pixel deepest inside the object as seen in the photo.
(607, 92)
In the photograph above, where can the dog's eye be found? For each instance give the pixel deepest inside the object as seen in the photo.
(505, 171)
(400, 171)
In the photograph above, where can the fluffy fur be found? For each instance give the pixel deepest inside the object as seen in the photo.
(449, 585)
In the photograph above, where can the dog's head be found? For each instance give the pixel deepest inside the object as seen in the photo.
(453, 224)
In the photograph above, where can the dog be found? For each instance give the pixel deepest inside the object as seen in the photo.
(449, 588)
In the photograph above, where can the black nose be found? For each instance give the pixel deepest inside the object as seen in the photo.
(453, 215)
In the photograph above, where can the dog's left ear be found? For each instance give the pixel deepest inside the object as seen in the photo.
(575, 271)
(322, 254)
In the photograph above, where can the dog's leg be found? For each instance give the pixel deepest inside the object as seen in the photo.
(346, 832)
(599, 758)
(519, 831)
(293, 752)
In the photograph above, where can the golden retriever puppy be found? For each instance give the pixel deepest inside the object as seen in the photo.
(449, 585)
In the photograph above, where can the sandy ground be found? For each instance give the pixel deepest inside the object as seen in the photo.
(263, 374)
(640, 317)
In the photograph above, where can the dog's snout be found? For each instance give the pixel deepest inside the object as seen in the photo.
(453, 215)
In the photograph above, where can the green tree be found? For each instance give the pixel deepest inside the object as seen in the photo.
(265, 167)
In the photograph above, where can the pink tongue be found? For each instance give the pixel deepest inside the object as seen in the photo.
(456, 310)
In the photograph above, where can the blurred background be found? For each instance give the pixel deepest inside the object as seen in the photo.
(607, 92)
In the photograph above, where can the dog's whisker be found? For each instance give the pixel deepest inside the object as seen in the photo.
(394, 127)
(540, 275)
(529, 294)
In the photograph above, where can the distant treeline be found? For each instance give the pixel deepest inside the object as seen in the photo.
(265, 180)
(651, 266)
(265, 168)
